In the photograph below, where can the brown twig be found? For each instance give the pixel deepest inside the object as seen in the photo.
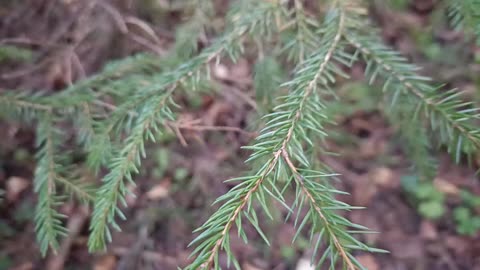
(190, 126)
(147, 255)
(122, 24)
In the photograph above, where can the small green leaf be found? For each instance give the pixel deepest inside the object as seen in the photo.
(431, 209)
(462, 214)
(181, 174)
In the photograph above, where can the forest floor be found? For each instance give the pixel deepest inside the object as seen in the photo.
(185, 172)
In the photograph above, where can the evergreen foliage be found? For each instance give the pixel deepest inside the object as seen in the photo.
(465, 14)
(321, 49)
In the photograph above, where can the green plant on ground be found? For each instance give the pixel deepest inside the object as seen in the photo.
(12, 53)
(466, 215)
(430, 202)
(318, 48)
(467, 223)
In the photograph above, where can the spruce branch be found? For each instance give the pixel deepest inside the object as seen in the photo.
(22, 105)
(267, 77)
(281, 138)
(465, 14)
(51, 165)
(111, 75)
(100, 148)
(80, 189)
(327, 226)
(154, 110)
(114, 188)
(48, 221)
(447, 114)
(251, 17)
(24, 102)
(416, 140)
(188, 34)
(301, 38)
(27, 105)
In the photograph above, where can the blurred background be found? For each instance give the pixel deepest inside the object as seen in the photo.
(50, 44)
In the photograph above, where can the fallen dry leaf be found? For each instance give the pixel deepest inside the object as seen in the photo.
(428, 230)
(371, 148)
(241, 69)
(131, 197)
(459, 245)
(402, 246)
(248, 266)
(304, 264)
(383, 177)
(15, 186)
(368, 261)
(369, 220)
(221, 71)
(364, 191)
(107, 262)
(24, 266)
(445, 186)
(159, 191)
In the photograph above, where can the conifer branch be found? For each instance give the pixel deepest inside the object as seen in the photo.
(48, 220)
(188, 34)
(281, 136)
(305, 40)
(20, 102)
(416, 141)
(453, 117)
(154, 111)
(114, 188)
(82, 191)
(22, 106)
(98, 85)
(327, 226)
(465, 14)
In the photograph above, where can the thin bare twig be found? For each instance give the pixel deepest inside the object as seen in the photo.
(148, 255)
(194, 127)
